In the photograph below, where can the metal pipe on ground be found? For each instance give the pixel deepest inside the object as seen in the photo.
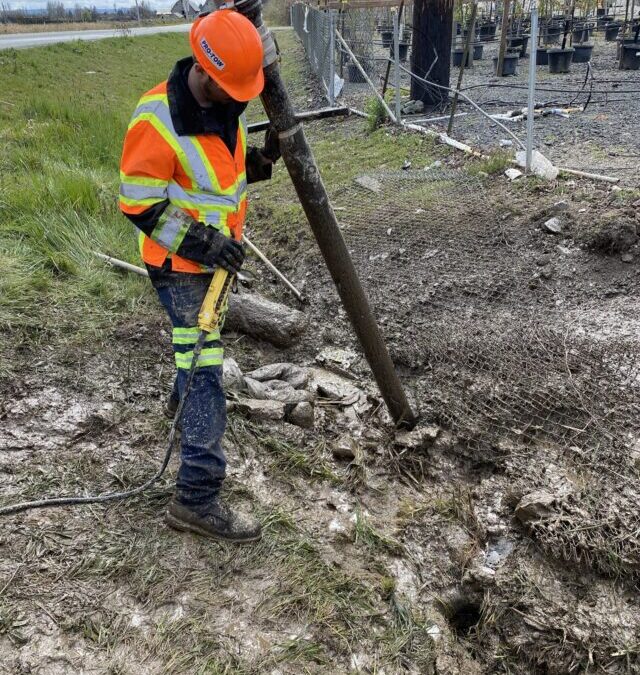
(299, 160)
(274, 269)
(308, 116)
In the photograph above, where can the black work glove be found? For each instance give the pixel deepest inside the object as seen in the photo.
(271, 149)
(224, 252)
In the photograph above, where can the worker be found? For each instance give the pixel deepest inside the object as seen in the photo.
(184, 173)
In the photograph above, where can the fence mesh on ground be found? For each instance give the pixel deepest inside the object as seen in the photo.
(506, 347)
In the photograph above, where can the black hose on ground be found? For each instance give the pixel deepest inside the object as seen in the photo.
(113, 496)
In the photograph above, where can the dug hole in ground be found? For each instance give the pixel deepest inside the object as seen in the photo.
(500, 536)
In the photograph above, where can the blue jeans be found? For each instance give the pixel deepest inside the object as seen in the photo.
(204, 416)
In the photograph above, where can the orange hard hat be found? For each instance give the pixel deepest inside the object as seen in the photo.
(228, 47)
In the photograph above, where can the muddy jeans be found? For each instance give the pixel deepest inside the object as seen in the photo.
(204, 416)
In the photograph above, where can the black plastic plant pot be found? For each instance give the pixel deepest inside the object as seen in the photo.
(403, 50)
(353, 74)
(578, 34)
(387, 37)
(630, 57)
(611, 32)
(582, 53)
(542, 58)
(510, 66)
(457, 54)
(478, 50)
(487, 31)
(560, 60)
(624, 41)
(515, 42)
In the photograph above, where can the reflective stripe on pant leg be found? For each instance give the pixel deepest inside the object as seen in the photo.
(184, 339)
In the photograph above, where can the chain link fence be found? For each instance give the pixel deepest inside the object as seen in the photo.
(316, 30)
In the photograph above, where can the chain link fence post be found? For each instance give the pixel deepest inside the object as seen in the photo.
(332, 57)
(396, 64)
(532, 84)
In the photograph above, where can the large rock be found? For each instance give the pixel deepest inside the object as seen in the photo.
(262, 410)
(263, 319)
(535, 506)
(421, 438)
(302, 415)
(232, 377)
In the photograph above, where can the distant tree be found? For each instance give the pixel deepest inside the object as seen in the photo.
(55, 11)
(146, 10)
(5, 11)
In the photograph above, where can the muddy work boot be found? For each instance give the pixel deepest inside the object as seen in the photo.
(171, 406)
(221, 522)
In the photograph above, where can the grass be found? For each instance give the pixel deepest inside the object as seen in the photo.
(368, 536)
(497, 163)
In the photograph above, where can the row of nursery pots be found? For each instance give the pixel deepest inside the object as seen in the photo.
(559, 60)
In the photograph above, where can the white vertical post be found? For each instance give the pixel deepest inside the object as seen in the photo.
(396, 63)
(532, 82)
(332, 57)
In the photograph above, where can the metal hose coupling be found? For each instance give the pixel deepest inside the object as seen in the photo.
(252, 9)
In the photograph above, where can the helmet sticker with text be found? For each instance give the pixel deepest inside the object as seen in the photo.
(211, 55)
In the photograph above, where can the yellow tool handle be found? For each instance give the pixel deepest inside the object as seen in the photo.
(215, 300)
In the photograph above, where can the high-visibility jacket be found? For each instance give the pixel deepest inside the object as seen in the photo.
(197, 174)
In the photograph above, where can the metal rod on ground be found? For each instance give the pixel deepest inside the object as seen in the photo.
(140, 270)
(122, 264)
(352, 56)
(503, 37)
(386, 75)
(467, 44)
(309, 115)
(273, 268)
(396, 62)
(314, 199)
(532, 84)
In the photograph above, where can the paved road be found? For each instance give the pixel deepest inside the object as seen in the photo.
(22, 40)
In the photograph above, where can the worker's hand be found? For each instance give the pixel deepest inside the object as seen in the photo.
(224, 252)
(271, 149)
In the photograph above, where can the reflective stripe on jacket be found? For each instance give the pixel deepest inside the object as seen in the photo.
(197, 174)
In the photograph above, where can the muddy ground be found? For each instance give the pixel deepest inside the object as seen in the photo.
(502, 537)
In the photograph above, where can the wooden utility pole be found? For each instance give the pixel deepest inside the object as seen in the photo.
(503, 37)
(431, 52)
